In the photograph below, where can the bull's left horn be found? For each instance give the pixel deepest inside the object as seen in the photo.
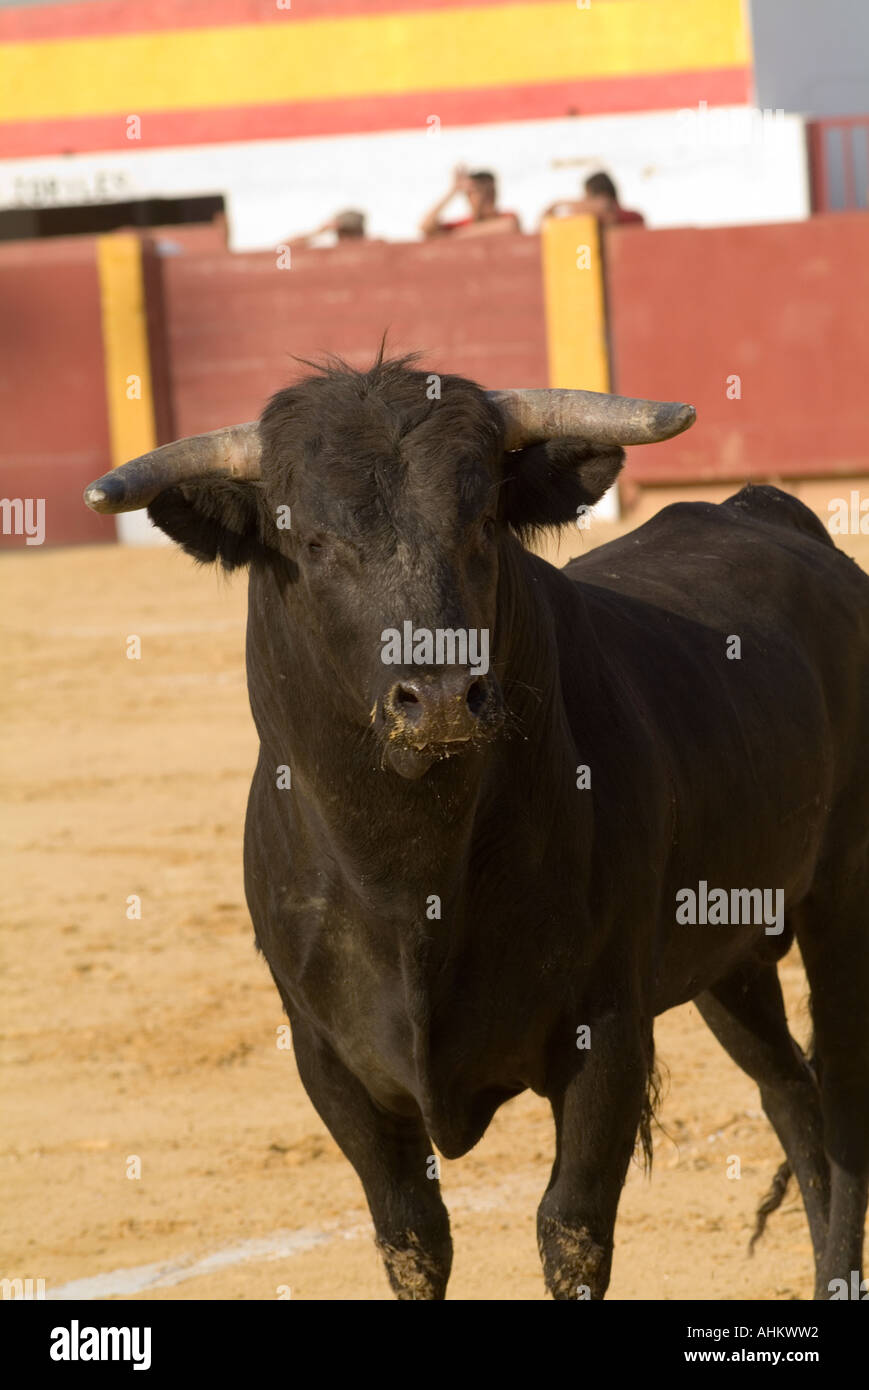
(536, 415)
(233, 452)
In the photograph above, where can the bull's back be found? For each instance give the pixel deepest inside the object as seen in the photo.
(737, 636)
(759, 563)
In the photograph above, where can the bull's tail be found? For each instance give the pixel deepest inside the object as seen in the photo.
(779, 1185)
(771, 1202)
(655, 1084)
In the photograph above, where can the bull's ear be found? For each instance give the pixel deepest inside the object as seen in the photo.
(546, 484)
(216, 519)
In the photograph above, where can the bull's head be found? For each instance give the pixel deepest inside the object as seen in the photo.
(378, 504)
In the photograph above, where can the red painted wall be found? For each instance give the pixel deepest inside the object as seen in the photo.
(233, 322)
(784, 308)
(53, 428)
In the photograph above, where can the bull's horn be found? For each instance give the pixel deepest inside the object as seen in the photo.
(533, 416)
(228, 453)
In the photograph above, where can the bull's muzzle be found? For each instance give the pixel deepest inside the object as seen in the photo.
(436, 715)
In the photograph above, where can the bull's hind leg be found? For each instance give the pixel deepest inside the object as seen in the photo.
(834, 940)
(598, 1103)
(747, 1015)
(391, 1153)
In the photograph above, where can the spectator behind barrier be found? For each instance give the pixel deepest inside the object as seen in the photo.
(481, 192)
(602, 201)
(345, 226)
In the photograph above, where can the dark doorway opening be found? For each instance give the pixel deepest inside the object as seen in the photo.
(18, 224)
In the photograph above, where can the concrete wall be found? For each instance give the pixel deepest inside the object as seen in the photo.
(95, 76)
(811, 57)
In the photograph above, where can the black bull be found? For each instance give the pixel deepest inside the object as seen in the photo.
(470, 882)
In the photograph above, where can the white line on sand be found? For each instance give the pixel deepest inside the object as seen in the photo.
(282, 1245)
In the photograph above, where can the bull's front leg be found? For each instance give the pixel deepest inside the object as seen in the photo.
(598, 1104)
(392, 1155)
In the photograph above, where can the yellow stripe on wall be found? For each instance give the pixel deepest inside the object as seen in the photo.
(573, 291)
(378, 55)
(129, 394)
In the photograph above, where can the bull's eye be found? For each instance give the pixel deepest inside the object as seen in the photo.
(488, 527)
(315, 548)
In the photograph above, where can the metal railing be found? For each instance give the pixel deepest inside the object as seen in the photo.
(839, 163)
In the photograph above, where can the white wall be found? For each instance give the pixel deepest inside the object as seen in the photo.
(719, 167)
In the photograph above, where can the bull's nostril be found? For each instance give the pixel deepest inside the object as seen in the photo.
(437, 710)
(476, 697)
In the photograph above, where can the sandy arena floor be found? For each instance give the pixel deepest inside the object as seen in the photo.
(156, 1037)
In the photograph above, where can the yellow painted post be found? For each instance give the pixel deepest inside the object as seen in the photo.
(573, 287)
(129, 389)
(576, 331)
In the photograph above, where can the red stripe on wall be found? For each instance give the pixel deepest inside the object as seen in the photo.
(363, 115)
(102, 17)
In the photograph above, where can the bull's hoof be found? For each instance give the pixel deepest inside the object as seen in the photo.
(575, 1265)
(412, 1272)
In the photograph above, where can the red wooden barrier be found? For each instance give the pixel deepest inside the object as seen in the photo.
(54, 433)
(763, 329)
(233, 322)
